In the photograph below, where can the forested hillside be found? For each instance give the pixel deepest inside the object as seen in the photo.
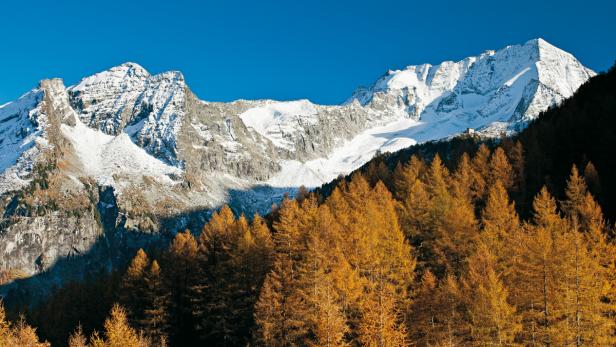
(447, 244)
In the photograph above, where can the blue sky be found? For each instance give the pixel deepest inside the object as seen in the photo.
(320, 50)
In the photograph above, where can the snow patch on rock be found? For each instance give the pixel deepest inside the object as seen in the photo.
(277, 121)
(107, 157)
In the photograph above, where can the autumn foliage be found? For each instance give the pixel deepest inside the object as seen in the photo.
(421, 255)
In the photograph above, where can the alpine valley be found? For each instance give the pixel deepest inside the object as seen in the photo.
(125, 158)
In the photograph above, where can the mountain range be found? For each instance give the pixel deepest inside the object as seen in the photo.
(136, 153)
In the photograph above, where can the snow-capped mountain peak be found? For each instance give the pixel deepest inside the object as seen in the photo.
(127, 97)
(494, 84)
(117, 75)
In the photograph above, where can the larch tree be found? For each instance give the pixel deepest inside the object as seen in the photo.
(575, 192)
(481, 171)
(319, 282)
(591, 267)
(493, 319)
(441, 203)
(377, 171)
(416, 208)
(280, 312)
(451, 328)
(212, 304)
(405, 175)
(537, 284)
(463, 178)
(387, 264)
(601, 248)
(373, 243)
(425, 311)
(249, 261)
(499, 221)
(262, 248)
(452, 225)
(585, 307)
(397, 263)
(77, 338)
(20, 334)
(133, 289)
(382, 323)
(437, 181)
(545, 211)
(180, 274)
(156, 322)
(118, 332)
(500, 169)
(592, 178)
(457, 234)
(516, 158)
(275, 324)
(232, 266)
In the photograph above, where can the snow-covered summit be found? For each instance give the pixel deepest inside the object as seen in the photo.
(127, 97)
(495, 84)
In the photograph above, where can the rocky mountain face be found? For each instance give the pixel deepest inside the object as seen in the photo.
(126, 156)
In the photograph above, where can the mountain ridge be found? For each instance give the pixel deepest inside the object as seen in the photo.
(495, 91)
(164, 153)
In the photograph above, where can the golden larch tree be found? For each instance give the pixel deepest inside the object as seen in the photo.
(118, 333)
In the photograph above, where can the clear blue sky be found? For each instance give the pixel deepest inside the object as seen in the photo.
(320, 50)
